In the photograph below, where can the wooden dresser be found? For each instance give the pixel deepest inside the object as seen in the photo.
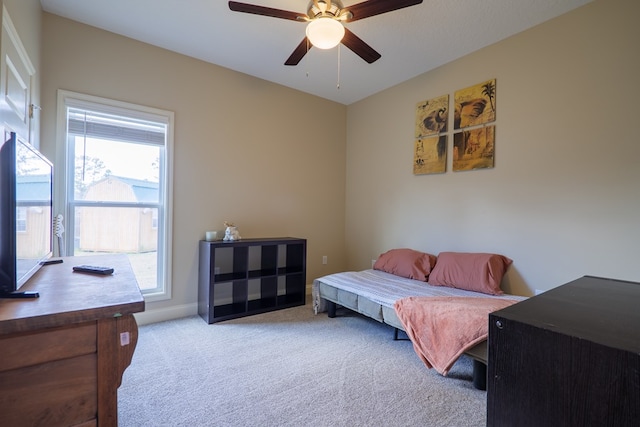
(567, 357)
(62, 355)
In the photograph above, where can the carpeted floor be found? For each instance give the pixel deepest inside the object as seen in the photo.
(290, 368)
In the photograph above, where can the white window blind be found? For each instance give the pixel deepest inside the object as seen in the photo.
(106, 126)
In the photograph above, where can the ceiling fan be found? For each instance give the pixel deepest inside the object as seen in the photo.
(325, 29)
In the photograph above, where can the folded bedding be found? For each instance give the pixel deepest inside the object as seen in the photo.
(443, 328)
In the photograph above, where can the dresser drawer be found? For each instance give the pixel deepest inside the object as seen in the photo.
(58, 393)
(21, 350)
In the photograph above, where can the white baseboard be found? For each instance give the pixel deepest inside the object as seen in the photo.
(168, 313)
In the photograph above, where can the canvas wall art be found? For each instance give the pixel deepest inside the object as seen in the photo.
(430, 155)
(475, 105)
(430, 145)
(474, 149)
(432, 116)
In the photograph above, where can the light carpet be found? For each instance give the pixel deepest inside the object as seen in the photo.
(290, 368)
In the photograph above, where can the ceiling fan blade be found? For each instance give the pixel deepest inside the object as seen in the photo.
(298, 53)
(359, 47)
(377, 7)
(264, 11)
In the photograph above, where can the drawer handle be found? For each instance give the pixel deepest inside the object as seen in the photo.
(499, 324)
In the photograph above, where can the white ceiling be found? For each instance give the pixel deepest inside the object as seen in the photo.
(412, 41)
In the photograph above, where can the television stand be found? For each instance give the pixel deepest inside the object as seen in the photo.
(62, 356)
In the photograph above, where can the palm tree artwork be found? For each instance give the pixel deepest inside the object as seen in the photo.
(475, 105)
(474, 145)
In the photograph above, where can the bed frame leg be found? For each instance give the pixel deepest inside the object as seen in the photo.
(479, 375)
(396, 337)
(331, 309)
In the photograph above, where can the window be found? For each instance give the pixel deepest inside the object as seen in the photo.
(21, 219)
(118, 193)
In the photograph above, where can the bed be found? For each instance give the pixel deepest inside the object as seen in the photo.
(380, 294)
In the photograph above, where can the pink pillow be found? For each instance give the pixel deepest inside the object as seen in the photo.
(476, 272)
(406, 263)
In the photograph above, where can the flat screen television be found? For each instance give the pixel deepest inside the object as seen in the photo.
(26, 206)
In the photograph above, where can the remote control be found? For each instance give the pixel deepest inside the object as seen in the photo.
(93, 269)
(51, 261)
(20, 295)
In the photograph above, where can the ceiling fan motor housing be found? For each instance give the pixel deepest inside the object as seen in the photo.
(319, 8)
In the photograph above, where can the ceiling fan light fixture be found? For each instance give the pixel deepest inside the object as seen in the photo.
(325, 32)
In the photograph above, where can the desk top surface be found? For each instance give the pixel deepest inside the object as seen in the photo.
(601, 310)
(67, 297)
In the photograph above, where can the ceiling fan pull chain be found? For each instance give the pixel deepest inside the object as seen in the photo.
(338, 86)
(306, 61)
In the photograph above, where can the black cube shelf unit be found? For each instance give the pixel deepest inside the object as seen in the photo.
(250, 276)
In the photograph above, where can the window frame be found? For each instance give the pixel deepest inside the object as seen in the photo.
(65, 178)
(22, 219)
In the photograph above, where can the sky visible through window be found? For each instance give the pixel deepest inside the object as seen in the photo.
(123, 159)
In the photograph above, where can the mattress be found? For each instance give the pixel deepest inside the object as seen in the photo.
(373, 293)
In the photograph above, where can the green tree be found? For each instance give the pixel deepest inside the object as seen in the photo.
(87, 171)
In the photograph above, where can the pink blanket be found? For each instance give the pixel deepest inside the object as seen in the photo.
(442, 328)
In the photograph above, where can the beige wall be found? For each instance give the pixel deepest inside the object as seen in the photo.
(564, 197)
(245, 150)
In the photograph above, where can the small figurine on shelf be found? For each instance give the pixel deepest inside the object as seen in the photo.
(231, 233)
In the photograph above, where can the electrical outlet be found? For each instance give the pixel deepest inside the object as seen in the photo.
(373, 261)
(324, 260)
